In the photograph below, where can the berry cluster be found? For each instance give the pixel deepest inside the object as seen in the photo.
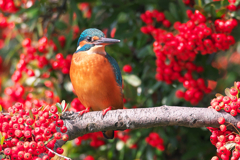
(148, 16)
(125, 136)
(156, 141)
(61, 63)
(177, 50)
(35, 55)
(229, 103)
(223, 139)
(8, 6)
(86, 9)
(232, 6)
(96, 139)
(5, 29)
(28, 133)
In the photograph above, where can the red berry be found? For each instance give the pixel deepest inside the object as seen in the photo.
(27, 156)
(221, 120)
(233, 112)
(53, 109)
(63, 129)
(7, 151)
(65, 137)
(57, 135)
(59, 150)
(127, 68)
(233, 91)
(59, 123)
(223, 128)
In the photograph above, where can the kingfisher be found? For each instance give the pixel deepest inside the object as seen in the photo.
(95, 75)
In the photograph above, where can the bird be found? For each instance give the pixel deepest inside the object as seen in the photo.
(95, 75)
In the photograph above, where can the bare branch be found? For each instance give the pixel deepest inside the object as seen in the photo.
(143, 118)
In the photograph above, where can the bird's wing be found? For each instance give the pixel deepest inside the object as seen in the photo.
(116, 69)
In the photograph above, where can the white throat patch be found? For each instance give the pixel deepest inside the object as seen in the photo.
(78, 48)
(99, 49)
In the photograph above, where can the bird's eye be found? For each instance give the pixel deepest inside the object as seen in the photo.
(89, 39)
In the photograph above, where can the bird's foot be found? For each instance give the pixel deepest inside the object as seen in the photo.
(106, 110)
(84, 111)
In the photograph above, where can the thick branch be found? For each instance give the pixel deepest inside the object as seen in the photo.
(143, 118)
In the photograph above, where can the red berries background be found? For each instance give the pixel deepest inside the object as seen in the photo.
(26, 133)
(168, 47)
(221, 137)
(176, 50)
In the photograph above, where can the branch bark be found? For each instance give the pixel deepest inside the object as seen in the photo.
(144, 118)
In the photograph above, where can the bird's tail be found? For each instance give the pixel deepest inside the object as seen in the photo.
(108, 134)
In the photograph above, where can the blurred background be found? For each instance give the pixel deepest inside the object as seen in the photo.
(175, 52)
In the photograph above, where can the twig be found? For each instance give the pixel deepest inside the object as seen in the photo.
(58, 154)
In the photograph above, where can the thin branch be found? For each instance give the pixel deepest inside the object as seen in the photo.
(144, 118)
(58, 154)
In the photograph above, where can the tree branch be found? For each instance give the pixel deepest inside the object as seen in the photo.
(143, 118)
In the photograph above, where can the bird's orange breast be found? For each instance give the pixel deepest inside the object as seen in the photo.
(94, 81)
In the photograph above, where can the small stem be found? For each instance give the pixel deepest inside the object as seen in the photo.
(58, 154)
(234, 127)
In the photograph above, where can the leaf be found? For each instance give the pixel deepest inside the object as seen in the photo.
(170, 17)
(63, 104)
(197, 7)
(213, 11)
(0, 137)
(61, 25)
(59, 107)
(227, 92)
(64, 110)
(2, 140)
(132, 79)
(221, 12)
(31, 114)
(173, 10)
(218, 95)
(235, 85)
(226, 3)
(229, 146)
(183, 10)
(0, 108)
(68, 40)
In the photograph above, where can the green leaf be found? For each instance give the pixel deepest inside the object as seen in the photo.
(2, 140)
(213, 11)
(173, 10)
(31, 114)
(197, 7)
(1, 137)
(226, 3)
(217, 4)
(79, 14)
(170, 17)
(221, 12)
(61, 25)
(182, 11)
(63, 104)
(132, 79)
(65, 108)
(68, 40)
(59, 107)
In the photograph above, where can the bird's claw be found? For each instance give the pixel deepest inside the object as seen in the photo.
(84, 111)
(106, 110)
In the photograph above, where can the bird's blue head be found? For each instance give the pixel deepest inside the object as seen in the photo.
(93, 37)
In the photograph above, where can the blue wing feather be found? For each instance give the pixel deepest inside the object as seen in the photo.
(116, 69)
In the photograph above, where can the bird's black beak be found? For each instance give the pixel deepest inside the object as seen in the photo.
(106, 41)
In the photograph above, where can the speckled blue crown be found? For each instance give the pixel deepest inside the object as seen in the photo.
(90, 33)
